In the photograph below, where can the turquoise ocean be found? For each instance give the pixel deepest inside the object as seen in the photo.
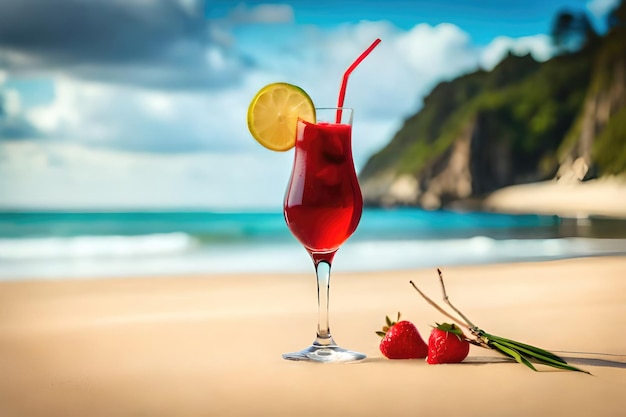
(48, 245)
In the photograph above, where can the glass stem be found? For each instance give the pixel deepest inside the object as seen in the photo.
(322, 270)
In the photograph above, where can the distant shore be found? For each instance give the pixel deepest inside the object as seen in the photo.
(599, 197)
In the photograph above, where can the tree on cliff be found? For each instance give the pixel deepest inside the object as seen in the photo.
(617, 16)
(572, 31)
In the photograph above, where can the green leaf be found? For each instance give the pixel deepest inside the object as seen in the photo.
(381, 334)
(531, 352)
(512, 353)
(531, 348)
(388, 321)
(566, 366)
(450, 328)
(528, 352)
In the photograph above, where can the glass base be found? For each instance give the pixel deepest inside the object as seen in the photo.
(324, 353)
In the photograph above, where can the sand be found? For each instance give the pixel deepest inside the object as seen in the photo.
(211, 345)
(599, 197)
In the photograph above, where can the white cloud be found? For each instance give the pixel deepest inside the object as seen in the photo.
(116, 145)
(600, 8)
(442, 51)
(539, 46)
(11, 102)
(262, 13)
(192, 7)
(157, 43)
(35, 174)
(136, 119)
(12, 123)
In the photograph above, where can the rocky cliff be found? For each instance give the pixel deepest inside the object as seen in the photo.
(522, 122)
(598, 138)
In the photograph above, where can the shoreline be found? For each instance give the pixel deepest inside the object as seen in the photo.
(479, 251)
(386, 240)
(197, 345)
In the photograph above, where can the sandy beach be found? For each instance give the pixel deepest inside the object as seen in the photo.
(211, 345)
(573, 199)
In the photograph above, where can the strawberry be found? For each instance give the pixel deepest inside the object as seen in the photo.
(447, 344)
(401, 340)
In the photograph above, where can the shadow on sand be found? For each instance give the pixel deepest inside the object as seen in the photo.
(584, 358)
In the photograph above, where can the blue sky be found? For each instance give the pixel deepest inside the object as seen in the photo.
(483, 19)
(132, 104)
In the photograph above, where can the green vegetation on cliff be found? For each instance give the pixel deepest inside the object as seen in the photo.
(609, 146)
(523, 117)
(525, 105)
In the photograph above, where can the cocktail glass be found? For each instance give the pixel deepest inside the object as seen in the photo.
(323, 206)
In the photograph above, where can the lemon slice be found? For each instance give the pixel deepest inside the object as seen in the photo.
(273, 115)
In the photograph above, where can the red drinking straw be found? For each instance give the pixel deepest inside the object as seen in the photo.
(344, 83)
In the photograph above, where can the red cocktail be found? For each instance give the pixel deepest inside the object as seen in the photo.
(323, 203)
(323, 206)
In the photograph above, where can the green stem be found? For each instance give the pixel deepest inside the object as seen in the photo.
(521, 352)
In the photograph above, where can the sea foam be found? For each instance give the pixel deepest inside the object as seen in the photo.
(94, 246)
(178, 254)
